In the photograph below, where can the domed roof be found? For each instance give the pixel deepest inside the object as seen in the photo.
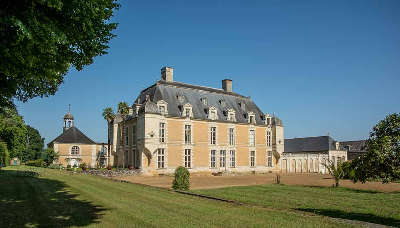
(68, 116)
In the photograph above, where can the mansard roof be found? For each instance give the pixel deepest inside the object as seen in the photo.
(354, 146)
(178, 94)
(309, 144)
(73, 135)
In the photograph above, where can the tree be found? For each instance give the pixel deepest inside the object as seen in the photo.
(4, 156)
(335, 171)
(50, 156)
(182, 179)
(123, 110)
(34, 144)
(13, 132)
(41, 40)
(109, 115)
(382, 160)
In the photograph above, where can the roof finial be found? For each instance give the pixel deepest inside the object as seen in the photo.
(328, 133)
(69, 108)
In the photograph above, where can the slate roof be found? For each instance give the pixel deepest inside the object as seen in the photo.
(309, 144)
(73, 135)
(178, 94)
(355, 146)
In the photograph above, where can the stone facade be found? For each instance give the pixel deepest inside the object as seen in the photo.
(162, 133)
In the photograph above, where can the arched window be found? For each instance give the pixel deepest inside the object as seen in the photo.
(75, 150)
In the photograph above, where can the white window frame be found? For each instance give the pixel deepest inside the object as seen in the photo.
(269, 137)
(231, 136)
(232, 158)
(75, 150)
(252, 158)
(161, 132)
(231, 115)
(187, 158)
(268, 120)
(187, 111)
(222, 158)
(252, 137)
(161, 158)
(251, 118)
(188, 134)
(269, 158)
(161, 104)
(212, 113)
(213, 159)
(213, 135)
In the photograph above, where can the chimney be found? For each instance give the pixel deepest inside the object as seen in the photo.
(167, 74)
(227, 85)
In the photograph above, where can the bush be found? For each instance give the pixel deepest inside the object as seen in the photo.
(82, 165)
(348, 170)
(37, 163)
(4, 156)
(182, 179)
(54, 166)
(68, 166)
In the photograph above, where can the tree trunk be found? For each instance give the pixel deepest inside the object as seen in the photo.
(108, 143)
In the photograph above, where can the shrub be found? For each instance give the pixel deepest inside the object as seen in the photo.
(348, 170)
(54, 166)
(68, 166)
(4, 156)
(82, 165)
(182, 179)
(37, 163)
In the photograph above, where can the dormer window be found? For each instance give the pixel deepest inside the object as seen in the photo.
(268, 120)
(222, 103)
(180, 98)
(162, 107)
(231, 115)
(242, 105)
(251, 118)
(187, 111)
(212, 113)
(203, 100)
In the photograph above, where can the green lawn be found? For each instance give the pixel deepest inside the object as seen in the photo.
(368, 206)
(60, 199)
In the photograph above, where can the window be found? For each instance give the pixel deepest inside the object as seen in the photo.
(134, 134)
(75, 150)
(231, 116)
(252, 119)
(204, 100)
(231, 136)
(212, 159)
(188, 134)
(161, 158)
(161, 108)
(162, 132)
(268, 121)
(252, 158)
(188, 158)
(126, 136)
(232, 158)
(213, 138)
(213, 115)
(252, 137)
(268, 138)
(187, 112)
(222, 158)
(269, 158)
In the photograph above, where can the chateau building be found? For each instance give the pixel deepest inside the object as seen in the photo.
(309, 154)
(75, 148)
(204, 129)
(354, 148)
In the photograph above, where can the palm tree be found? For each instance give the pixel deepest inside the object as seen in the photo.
(108, 115)
(123, 110)
(336, 171)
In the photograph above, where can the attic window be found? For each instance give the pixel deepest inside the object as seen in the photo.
(180, 98)
(231, 115)
(222, 103)
(251, 118)
(187, 111)
(242, 105)
(162, 107)
(203, 100)
(212, 113)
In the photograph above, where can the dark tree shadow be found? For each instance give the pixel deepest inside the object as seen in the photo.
(26, 200)
(344, 189)
(354, 216)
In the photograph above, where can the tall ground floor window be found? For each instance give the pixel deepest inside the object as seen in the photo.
(212, 159)
(161, 158)
(188, 158)
(232, 158)
(222, 158)
(252, 158)
(269, 158)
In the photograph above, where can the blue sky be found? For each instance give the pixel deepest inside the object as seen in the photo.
(321, 66)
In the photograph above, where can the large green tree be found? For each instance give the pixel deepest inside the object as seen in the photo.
(41, 39)
(382, 160)
(34, 144)
(13, 132)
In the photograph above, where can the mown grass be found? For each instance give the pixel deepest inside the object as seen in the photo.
(368, 206)
(61, 199)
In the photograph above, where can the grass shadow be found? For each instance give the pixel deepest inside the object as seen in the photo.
(371, 218)
(29, 201)
(354, 190)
